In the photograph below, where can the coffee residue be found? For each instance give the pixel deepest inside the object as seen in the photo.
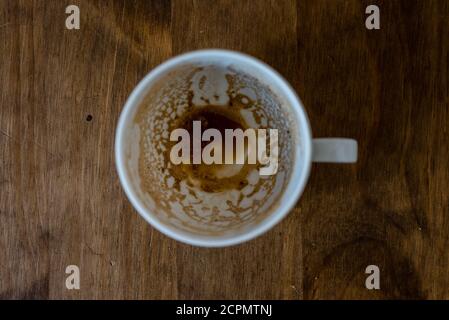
(212, 177)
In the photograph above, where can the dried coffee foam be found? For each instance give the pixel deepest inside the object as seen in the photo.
(189, 208)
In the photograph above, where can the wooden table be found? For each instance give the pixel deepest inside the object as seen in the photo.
(61, 202)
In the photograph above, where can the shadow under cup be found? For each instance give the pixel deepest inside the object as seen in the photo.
(173, 204)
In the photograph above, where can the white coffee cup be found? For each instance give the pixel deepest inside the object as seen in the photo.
(308, 150)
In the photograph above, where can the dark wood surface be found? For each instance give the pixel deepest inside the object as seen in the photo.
(60, 198)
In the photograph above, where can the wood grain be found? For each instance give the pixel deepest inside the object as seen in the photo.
(61, 202)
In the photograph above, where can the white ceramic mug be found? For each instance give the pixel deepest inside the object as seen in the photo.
(204, 231)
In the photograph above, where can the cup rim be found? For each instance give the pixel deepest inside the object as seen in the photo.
(297, 181)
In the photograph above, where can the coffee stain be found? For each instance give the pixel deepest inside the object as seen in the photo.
(213, 205)
(210, 177)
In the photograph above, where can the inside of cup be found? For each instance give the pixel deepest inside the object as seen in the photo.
(178, 206)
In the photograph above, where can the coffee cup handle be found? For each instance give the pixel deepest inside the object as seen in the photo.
(336, 150)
